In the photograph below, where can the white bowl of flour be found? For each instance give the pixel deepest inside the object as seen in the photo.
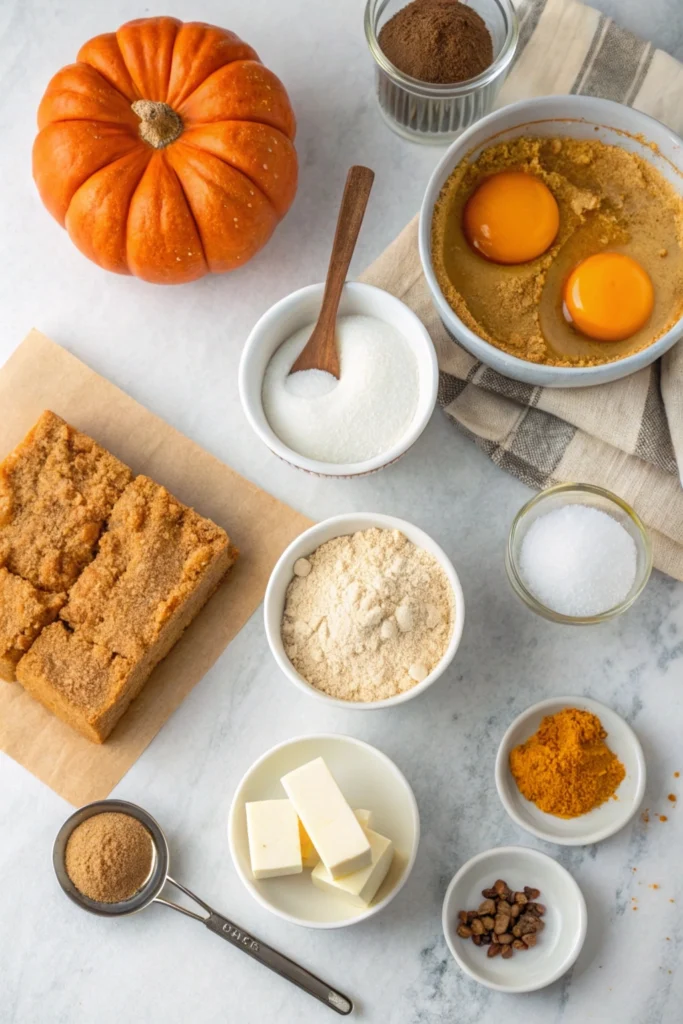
(300, 550)
(370, 417)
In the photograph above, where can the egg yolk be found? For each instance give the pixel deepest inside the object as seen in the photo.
(608, 296)
(512, 217)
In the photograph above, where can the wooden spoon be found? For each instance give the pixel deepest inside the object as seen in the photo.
(320, 351)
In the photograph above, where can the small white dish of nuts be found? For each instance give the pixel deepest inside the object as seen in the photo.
(509, 890)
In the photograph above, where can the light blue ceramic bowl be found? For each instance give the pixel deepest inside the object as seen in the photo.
(578, 117)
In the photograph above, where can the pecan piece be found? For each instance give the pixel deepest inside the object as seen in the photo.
(501, 923)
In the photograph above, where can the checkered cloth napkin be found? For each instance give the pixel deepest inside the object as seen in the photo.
(628, 435)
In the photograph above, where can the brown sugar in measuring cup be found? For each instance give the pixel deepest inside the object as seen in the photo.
(83, 868)
(109, 857)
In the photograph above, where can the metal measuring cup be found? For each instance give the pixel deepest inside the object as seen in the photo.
(151, 893)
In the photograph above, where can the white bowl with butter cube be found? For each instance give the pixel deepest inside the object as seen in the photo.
(329, 869)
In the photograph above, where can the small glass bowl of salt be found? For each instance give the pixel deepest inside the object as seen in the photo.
(578, 554)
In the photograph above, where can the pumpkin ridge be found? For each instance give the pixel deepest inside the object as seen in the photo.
(130, 203)
(69, 142)
(119, 126)
(106, 78)
(232, 166)
(138, 22)
(140, 152)
(57, 90)
(181, 186)
(243, 117)
(208, 79)
(173, 57)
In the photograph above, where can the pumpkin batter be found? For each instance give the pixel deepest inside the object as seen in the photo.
(608, 199)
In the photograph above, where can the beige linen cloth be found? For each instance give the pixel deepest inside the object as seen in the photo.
(626, 436)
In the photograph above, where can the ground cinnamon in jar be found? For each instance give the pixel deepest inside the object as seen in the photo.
(437, 41)
(109, 856)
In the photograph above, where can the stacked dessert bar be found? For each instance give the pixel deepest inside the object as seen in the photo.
(100, 574)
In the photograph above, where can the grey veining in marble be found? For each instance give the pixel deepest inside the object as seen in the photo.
(177, 350)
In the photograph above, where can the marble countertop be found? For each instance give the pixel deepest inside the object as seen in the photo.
(176, 350)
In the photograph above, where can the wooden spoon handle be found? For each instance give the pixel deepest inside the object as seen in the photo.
(354, 201)
(351, 212)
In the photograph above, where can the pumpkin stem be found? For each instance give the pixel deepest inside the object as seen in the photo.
(159, 123)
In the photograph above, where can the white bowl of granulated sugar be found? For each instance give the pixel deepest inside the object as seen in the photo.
(360, 423)
(364, 611)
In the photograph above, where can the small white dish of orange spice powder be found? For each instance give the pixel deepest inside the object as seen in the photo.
(570, 771)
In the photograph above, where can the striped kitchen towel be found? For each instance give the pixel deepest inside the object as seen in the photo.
(628, 435)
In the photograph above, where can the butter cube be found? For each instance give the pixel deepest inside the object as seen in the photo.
(360, 887)
(309, 854)
(363, 817)
(274, 846)
(327, 818)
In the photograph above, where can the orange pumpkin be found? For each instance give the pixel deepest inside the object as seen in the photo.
(166, 151)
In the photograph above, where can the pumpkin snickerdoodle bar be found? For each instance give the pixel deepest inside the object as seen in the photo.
(57, 489)
(157, 564)
(84, 684)
(24, 611)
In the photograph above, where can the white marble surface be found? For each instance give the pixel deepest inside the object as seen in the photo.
(177, 351)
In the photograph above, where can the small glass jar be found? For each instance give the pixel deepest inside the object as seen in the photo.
(593, 497)
(434, 112)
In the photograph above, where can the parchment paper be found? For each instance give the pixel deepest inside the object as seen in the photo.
(41, 375)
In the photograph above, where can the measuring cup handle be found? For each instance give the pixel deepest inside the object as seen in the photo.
(282, 965)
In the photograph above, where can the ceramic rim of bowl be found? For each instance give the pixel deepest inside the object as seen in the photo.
(382, 522)
(515, 576)
(533, 112)
(426, 355)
